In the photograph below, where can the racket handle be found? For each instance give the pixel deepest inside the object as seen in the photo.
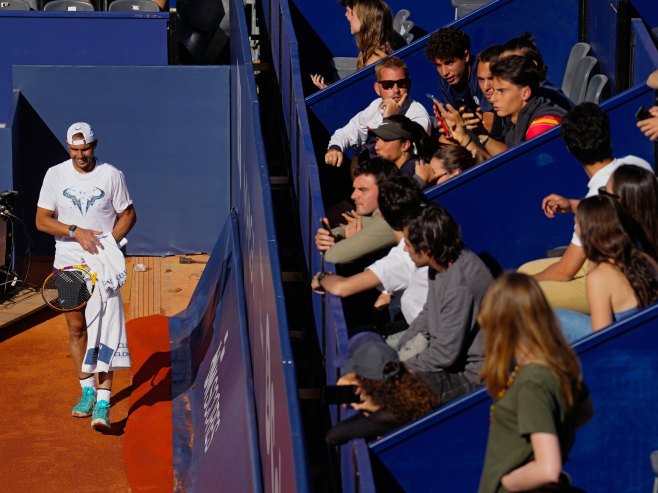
(123, 242)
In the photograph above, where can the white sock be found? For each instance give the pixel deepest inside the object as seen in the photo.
(90, 381)
(103, 395)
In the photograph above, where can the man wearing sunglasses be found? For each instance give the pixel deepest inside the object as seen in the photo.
(586, 132)
(392, 87)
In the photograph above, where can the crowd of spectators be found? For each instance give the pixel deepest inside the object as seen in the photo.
(449, 326)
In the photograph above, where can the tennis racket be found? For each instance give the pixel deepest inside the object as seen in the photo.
(69, 288)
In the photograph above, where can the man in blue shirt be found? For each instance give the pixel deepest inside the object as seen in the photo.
(449, 50)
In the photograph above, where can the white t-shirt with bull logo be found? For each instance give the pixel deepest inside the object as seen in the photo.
(89, 200)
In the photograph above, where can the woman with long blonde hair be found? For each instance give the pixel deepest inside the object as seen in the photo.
(371, 23)
(537, 405)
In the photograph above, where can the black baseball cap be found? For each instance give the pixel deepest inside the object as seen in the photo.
(369, 356)
(391, 130)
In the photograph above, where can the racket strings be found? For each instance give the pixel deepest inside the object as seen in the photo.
(68, 289)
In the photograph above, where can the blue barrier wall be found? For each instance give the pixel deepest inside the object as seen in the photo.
(602, 30)
(284, 466)
(83, 38)
(446, 448)
(166, 128)
(214, 419)
(645, 54)
(648, 11)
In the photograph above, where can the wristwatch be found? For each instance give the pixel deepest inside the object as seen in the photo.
(72, 229)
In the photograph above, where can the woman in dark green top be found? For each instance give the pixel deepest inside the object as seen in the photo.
(537, 406)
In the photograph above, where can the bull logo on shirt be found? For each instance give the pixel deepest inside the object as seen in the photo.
(84, 200)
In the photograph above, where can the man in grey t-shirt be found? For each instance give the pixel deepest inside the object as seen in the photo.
(444, 344)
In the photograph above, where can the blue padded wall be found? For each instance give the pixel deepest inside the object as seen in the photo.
(166, 128)
(85, 38)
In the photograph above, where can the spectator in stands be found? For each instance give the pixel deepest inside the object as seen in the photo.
(586, 132)
(392, 86)
(539, 405)
(371, 23)
(403, 142)
(485, 60)
(365, 231)
(523, 114)
(637, 191)
(526, 47)
(390, 396)
(622, 279)
(449, 50)
(396, 274)
(446, 163)
(443, 344)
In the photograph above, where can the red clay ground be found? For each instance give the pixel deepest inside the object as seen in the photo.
(42, 448)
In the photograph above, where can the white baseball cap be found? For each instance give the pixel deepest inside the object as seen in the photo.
(80, 128)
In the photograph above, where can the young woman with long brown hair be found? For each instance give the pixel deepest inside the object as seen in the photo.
(540, 403)
(622, 279)
(371, 23)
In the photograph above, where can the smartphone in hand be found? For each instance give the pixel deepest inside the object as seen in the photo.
(439, 118)
(340, 394)
(642, 114)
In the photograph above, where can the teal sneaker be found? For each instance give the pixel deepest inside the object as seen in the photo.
(100, 420)
(85, 404)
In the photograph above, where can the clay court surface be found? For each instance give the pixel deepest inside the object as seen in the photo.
(43, 448)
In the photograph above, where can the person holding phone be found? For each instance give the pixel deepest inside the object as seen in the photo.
(647, 121)
(389, 395)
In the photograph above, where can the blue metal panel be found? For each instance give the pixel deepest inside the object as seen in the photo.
(166, 128)
(602, 31)
(277, 405)
(214, 422)
(645, 54)
(83, 38)
(648, 11)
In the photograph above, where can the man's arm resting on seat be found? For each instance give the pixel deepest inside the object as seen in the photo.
(566, 268)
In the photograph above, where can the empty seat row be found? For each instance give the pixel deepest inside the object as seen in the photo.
(578, 84)
(80, 5)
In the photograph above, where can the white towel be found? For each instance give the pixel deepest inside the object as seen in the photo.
(107, 343)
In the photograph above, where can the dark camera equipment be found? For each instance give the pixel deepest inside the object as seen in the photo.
(340, 394)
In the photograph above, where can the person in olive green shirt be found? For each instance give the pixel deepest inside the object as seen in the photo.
(365, 231)
(538, 406)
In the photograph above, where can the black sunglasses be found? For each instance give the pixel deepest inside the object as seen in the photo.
(604, 191)
(388, 84)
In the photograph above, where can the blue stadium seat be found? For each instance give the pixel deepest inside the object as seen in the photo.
(463, 7)
(14, 5)
(133, 6)
(595, 88)
(69, 6)
(581, 79)
(578, 52)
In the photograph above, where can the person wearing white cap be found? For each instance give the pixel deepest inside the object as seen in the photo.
(79, 200)
(649, 125)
